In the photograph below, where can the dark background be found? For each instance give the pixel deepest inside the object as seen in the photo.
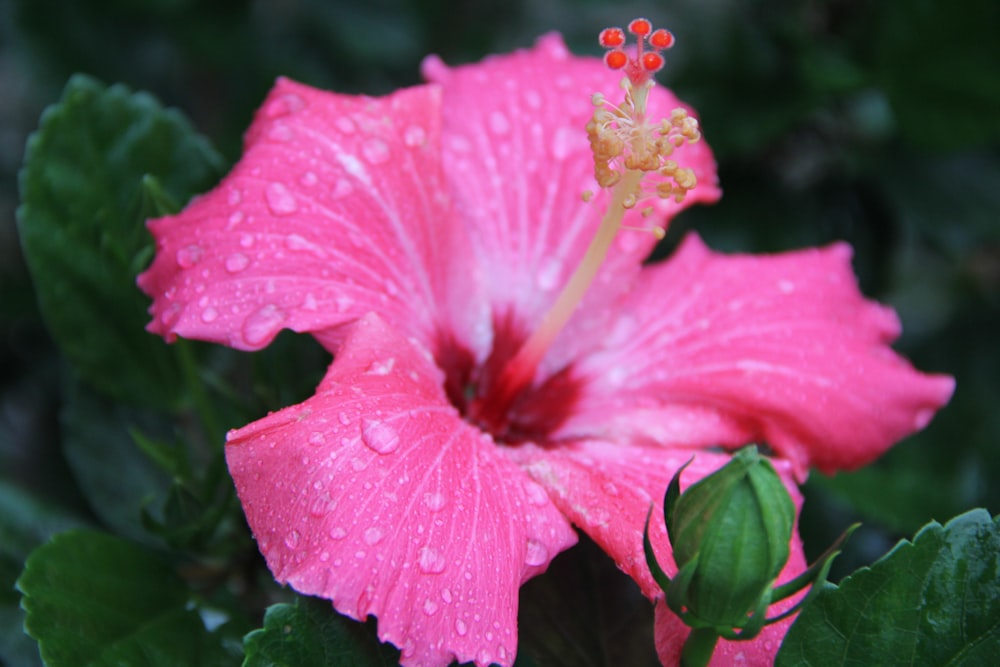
(873, 122)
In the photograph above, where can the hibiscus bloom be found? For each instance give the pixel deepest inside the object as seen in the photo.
(423, 238)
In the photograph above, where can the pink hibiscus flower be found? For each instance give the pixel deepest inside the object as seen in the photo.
(423, 238)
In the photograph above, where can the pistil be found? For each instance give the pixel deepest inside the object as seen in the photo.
(626, 150)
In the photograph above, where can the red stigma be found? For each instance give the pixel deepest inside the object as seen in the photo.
(611, 38)
(646, 59)
(640, 27)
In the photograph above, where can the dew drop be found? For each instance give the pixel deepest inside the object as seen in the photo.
(414, 136)
(309, 179)
(337, 533)
(435, 502)
(292, 539)
(375, 151)
(341, 188)
(548, 274)
(235, 218)
(188, 256)
(461, 628)
(563, 142)
(262, 324)
(209, 315)
(374, 535)
(345, 125)
(381, 366)
(536, 494)
(498, 122)
(317, 439)
(446, 595)
(786, 286)
(246, 240)
(325, 556)
(483, 657)
(281, 133)
(430, 607)
(301, 244)
(379, 436)
(536, 554)
(236, 262)
(430, 561)
(283, 105)
(344, 418)
(280, 200)
(234, 197)
(533, 99)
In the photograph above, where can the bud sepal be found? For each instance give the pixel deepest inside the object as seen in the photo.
(730, 533)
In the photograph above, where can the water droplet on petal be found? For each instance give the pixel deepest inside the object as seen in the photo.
(337, 533)
(786, 286)
(262, 324)
(237, 262)
(235, 218)
(548, 274)
(375, 151)
(379, 436)
(536, 494)
(498, 122)
(280, 200)
(381, 367)
(234, 197)
(209, 315)
(446, 595)
(316, 439)
(344, 418)
(414, 136)
(564, 141)
(280, 132)
(309, 179)
(484, 657)
(430, 607)
(435, 502)
(345, 125)
(302, 244)
(283, 105)
(342, 188)
(461, 628)
(533, 99)
(430, 561)
(374, 535)
(188, 256)
(292, 539)
(535, 554)
(246, 240)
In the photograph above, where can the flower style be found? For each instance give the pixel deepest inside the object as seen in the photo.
(423, 238)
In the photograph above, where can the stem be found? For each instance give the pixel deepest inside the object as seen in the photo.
(699, 647)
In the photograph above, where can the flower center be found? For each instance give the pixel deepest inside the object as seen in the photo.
(632, 160)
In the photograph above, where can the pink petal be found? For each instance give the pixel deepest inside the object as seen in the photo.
(780, 349)
(607, 488)
(517, 160)
(375, 494)
(670, 631)
(337, 208)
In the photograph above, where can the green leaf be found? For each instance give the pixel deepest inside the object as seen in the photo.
(98, 446)
(81, 226)
(935, 601)
(24, 524)
(310, 632)
(93, 600)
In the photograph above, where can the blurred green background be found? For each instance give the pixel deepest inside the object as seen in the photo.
(873, 122)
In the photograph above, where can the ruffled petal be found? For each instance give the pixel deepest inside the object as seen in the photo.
(375, 494)
(607, 488)
(337, 208)
(670, 632)
(781, 349)
(517, 159)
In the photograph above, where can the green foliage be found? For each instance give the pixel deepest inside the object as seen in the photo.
(935, 601)
(93, 599)
(308, 633)
(82, 230)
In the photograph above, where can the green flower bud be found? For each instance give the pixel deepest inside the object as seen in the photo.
(730, 534)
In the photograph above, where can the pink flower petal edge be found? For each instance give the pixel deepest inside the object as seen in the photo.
(729, 349)
(375, 494)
